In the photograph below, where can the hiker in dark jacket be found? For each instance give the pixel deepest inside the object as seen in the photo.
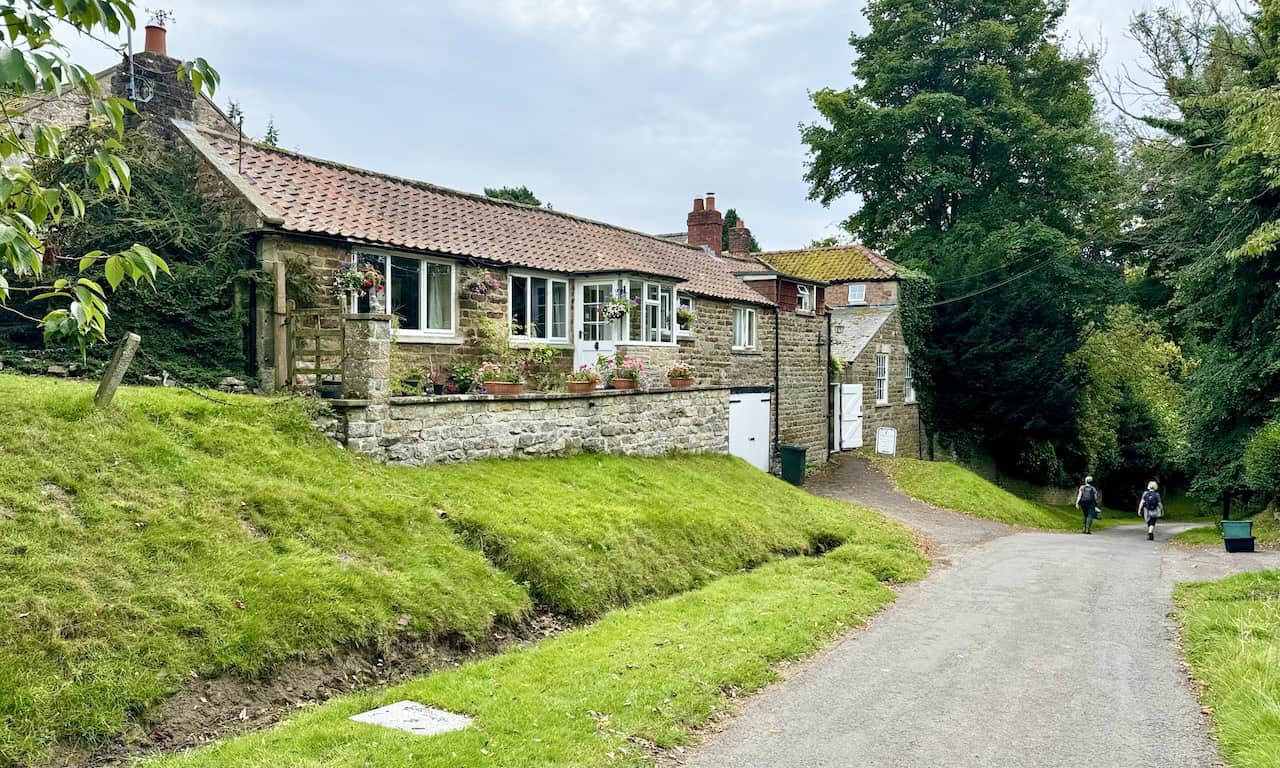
(1151, 509)
(1087, 501)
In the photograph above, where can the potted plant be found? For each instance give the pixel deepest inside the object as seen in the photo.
(358, 281)
(617, 306)
(329, 389)
(500, 378)
(626, 372)
(680, 375)
(685, 318)
(462, 379)
(583, 379)
(438, 380)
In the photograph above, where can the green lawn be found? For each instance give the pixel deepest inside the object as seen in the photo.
(1266, 533)
(1231, 636)
(951, 486)
(602, 695)
(171, 536)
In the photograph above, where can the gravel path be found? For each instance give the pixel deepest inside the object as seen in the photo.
(1021, 649)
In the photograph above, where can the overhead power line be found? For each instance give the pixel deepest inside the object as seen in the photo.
(994, 286)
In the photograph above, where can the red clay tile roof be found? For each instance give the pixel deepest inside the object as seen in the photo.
(838, 264)
(319, 197)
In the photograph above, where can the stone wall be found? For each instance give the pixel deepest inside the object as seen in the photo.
(898, 413)
(431, 430)
(802, 395)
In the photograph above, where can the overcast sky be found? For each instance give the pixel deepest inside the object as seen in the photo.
(619, 110)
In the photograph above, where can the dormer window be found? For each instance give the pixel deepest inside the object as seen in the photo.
(806, 298)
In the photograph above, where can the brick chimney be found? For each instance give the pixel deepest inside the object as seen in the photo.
(740, 241)
(156, 90)
(706, 225)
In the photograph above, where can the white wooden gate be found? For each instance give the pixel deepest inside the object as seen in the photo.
(749, 427)
(850, 416)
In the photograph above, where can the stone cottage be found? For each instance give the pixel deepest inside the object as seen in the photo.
(467, 275)
(873, 397)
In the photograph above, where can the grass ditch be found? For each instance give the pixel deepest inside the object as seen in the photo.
(170, 541)
(1231, 637)
(637, 681)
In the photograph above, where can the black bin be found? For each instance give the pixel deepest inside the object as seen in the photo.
(1239, 545)
(792, 457)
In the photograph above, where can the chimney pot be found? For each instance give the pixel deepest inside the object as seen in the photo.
(711, 201)
(697, 204)
(155, 40)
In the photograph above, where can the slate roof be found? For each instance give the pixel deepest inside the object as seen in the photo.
(837, 264)
(853, 328)
(306, 195)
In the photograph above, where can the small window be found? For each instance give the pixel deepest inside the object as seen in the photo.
(805, 298)
(909, 384)
(539, 308)
(882, 379)
(684, 314)
(744, 328)
(857, 293)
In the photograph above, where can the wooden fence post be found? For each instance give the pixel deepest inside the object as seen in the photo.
(116, 369)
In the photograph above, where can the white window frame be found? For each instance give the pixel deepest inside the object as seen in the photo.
(882, 378)
(625, 284)
(529, 277)
(857, 293)
(806, 298)
(909, 383)
(747, 314)
(384, 258)
(681, 298)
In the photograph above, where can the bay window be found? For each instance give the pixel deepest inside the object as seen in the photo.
(539, 307)
(744, 328)
(654, 319)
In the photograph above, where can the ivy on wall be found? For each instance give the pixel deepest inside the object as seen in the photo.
(194, 325)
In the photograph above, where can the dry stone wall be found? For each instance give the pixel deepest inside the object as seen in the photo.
(801, 399)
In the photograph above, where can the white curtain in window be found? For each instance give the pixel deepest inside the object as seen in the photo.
(439, 296)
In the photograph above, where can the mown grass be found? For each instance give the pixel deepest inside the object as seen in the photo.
(950, 486)
(171, 536)
(1231, 636)
(604, 695)
(1266, 533)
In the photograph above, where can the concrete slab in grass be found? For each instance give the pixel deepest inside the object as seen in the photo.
(415, 718)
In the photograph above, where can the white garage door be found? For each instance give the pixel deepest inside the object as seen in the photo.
(749, 427)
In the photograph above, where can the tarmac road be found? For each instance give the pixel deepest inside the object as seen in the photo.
(1022, 649)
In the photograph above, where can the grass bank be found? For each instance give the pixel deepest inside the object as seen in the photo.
(170, 537)
(606, 695)
(951, 486)
(1266, 533)
(1231, 636)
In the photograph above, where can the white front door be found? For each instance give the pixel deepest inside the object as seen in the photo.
(749, 427)
(596, 335)
(850, 416)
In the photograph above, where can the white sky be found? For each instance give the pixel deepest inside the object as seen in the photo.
(619, 110)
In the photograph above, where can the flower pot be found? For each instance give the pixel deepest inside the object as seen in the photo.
(437, 389)
(680, 383)
(580, 387)
(624, 383)
(504, 387)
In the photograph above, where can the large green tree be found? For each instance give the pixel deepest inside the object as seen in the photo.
(1205, 207)
(972, 140)
(33, 63)
(520, 194)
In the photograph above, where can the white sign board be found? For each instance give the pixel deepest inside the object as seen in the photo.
(887, 441)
